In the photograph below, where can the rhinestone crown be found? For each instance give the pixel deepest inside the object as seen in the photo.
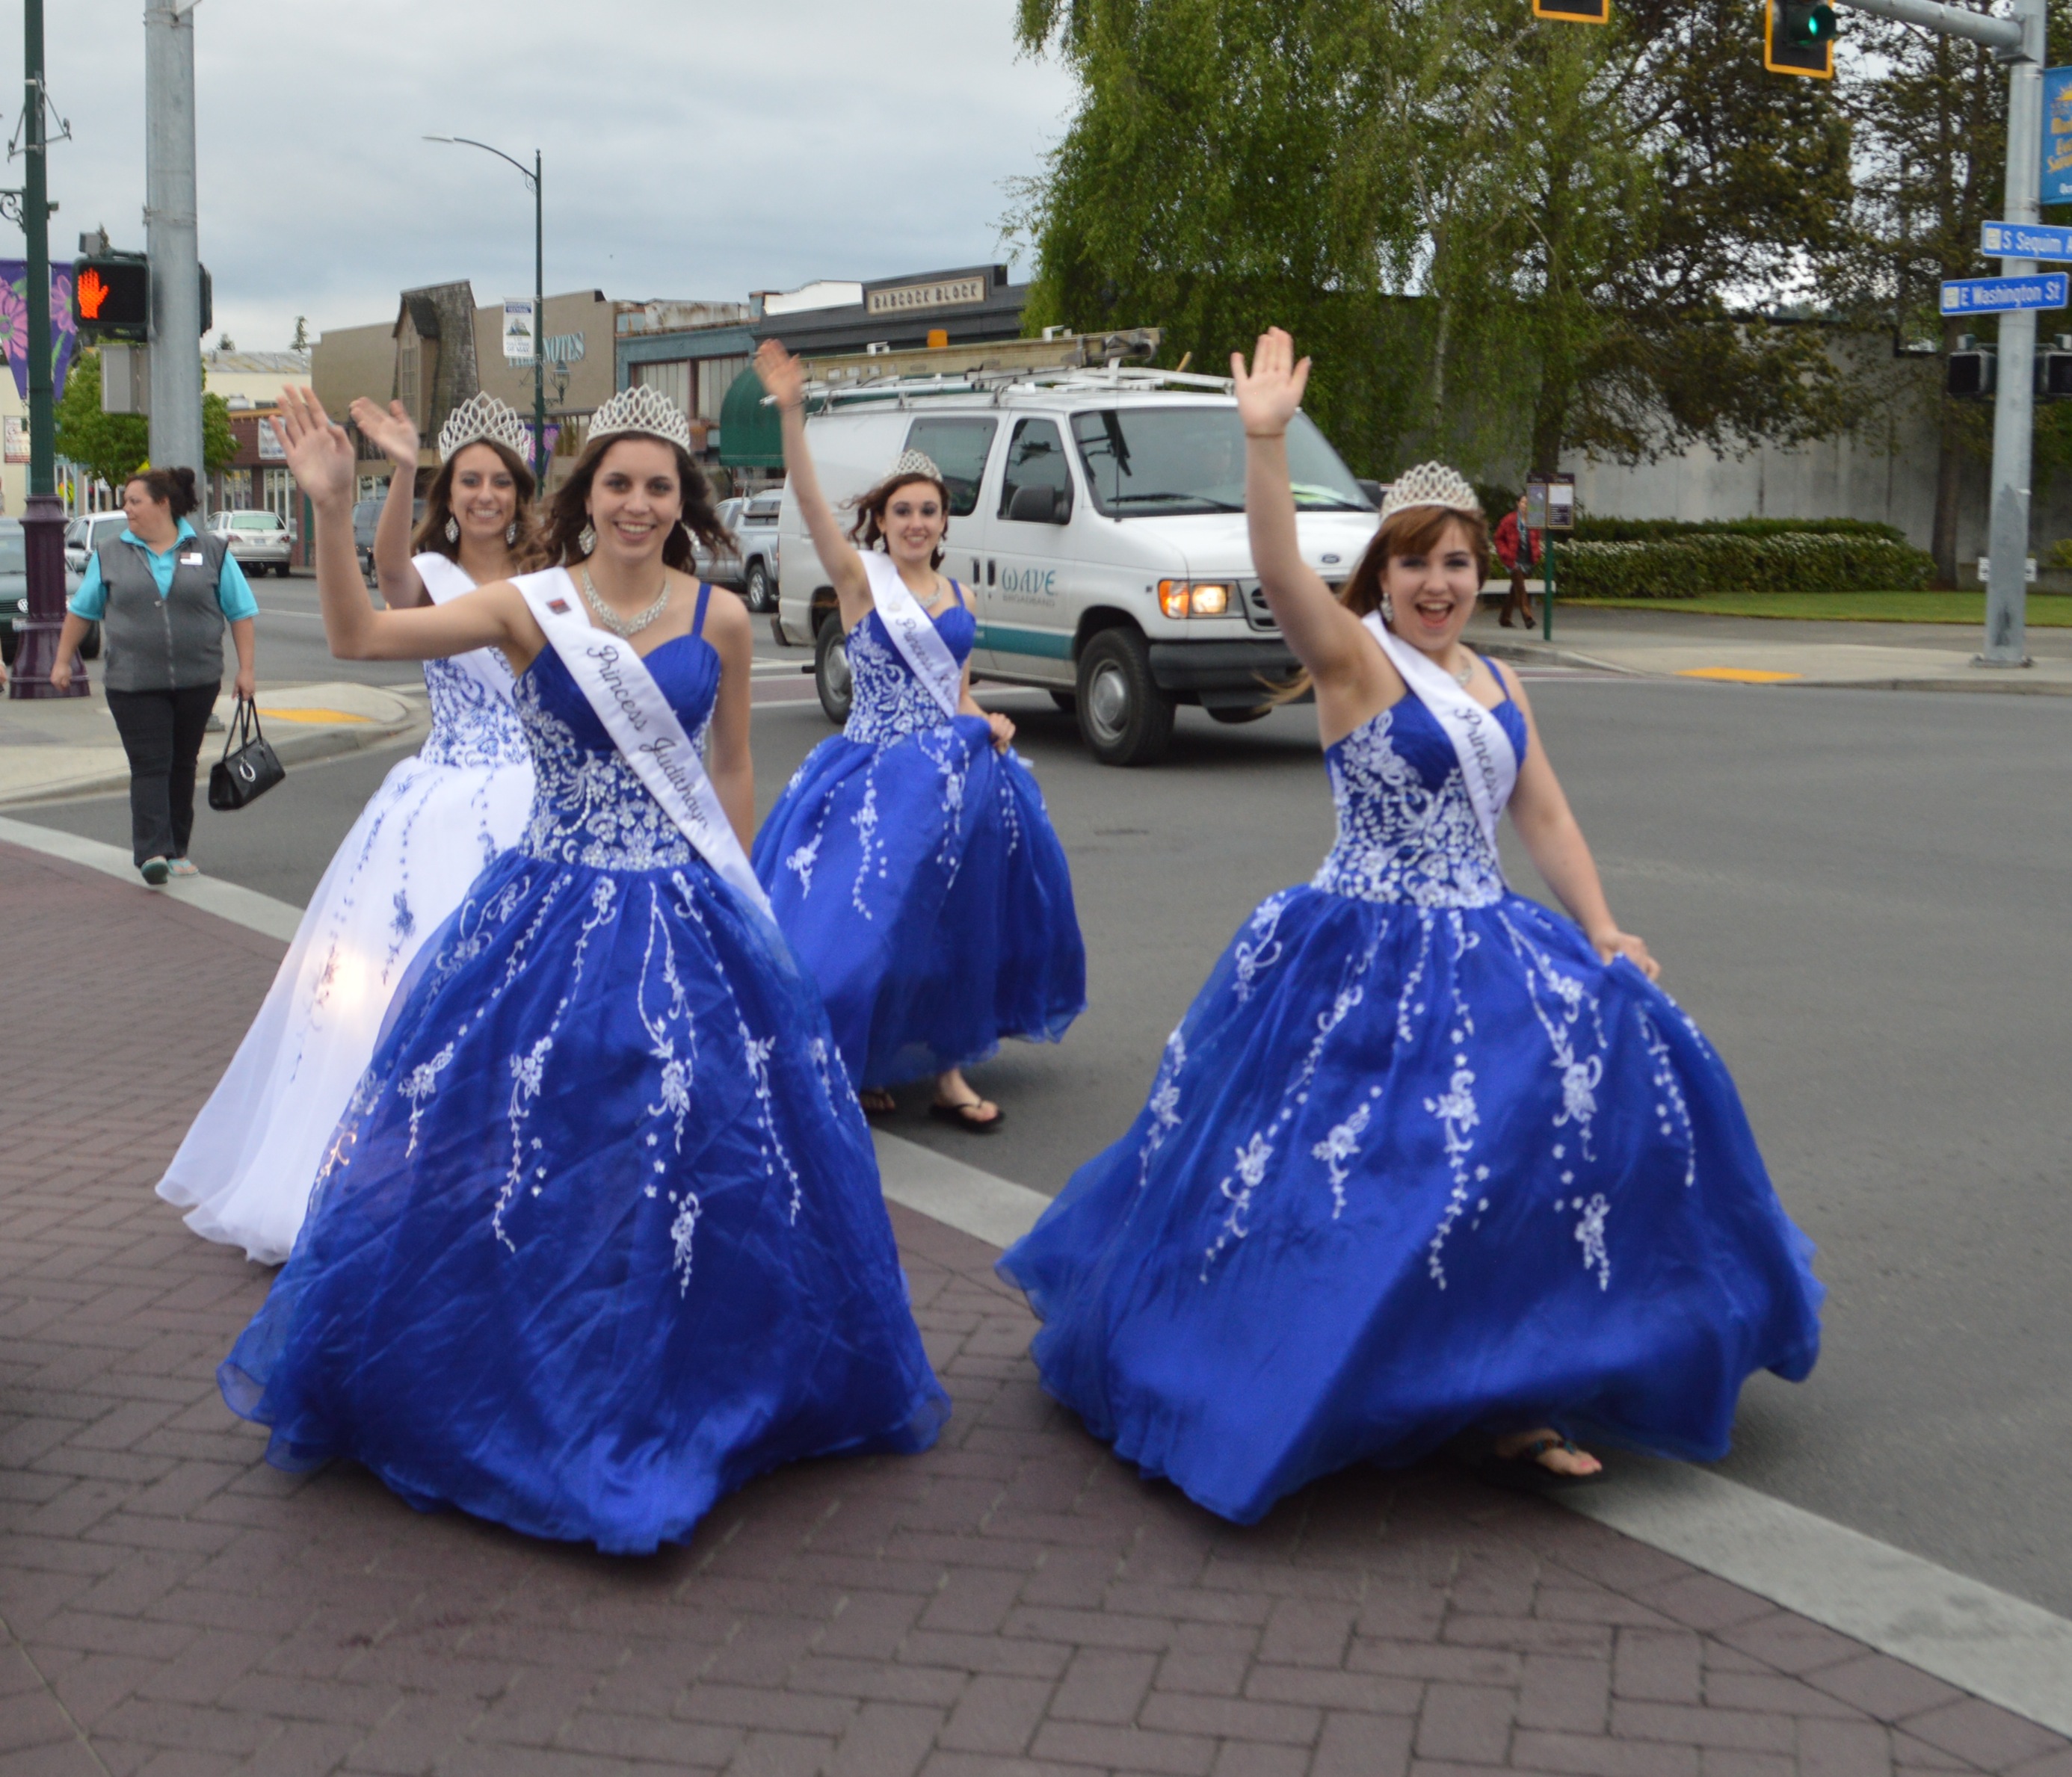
(1431, 484)
(917, 462)
(640, 409)
(482, 419)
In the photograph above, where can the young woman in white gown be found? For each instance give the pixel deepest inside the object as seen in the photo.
(244, 1172)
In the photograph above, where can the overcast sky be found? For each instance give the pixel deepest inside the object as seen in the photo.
(694, 148)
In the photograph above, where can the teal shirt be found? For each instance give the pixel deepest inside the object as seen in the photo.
(233, 592)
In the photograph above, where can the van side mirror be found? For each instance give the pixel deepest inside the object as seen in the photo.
(1372, 489)
(1039, 506)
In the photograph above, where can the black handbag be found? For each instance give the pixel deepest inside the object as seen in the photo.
(247, 769)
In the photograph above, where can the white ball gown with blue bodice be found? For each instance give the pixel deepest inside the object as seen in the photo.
(916, 873)
(244, 1172)
(600, 1237)
(1415, 1164)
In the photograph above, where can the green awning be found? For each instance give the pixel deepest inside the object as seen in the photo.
(751, 435)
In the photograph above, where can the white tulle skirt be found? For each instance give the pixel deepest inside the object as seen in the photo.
(244, 1170)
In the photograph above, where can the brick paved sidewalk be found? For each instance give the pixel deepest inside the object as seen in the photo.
(1014, 1603)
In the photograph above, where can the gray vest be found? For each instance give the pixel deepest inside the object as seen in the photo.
(162, 644)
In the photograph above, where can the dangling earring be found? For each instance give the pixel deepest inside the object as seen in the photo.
(453, 528)
(586, 539)
(1387, 611)
(511, 533)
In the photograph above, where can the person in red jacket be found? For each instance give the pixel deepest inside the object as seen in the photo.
(1520, 551)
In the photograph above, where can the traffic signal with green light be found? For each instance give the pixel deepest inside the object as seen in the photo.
(1798, 38)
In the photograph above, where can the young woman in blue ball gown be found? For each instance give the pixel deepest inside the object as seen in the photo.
(1424, 1159)
(910, 860)
(600, 1237)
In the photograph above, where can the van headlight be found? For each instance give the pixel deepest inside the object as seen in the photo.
(1179, 598)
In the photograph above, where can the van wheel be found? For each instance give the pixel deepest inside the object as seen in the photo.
(777, 629)
(1068, 701)
(830, 677)
(1124, 718)
(757, 590)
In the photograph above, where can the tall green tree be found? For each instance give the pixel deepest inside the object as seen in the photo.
(1499, 235)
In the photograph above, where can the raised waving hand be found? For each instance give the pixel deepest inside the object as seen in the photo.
(392, 432)
(784, 381)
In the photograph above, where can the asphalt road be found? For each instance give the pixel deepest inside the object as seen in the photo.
(1858, 894)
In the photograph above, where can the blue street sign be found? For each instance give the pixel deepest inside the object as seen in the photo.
(2025, 239)
(2003, 295)
(2057, 135)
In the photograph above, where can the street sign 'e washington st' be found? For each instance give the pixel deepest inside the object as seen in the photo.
(2006, 295)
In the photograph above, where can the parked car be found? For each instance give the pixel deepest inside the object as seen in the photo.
(83, 536)
(760, 554)
(1097, 517)
(724, 568)
(15, 592)
(259, 541)
(366, 515)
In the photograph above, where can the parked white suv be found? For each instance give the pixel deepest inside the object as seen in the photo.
(258, 540)
(1097, 518)
(85, 535)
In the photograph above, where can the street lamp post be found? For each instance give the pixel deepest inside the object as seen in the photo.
(43, 523)
(532, 179)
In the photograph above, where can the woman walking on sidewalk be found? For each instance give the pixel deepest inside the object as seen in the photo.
(600, 1237)
(244, 1170)
(162, 595)
(1424, 1159)
(910, 860)
(1519, 548)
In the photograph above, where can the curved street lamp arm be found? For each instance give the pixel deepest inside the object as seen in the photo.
(525, 172)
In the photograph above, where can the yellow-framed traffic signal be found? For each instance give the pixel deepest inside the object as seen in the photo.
(1798, 38)
(1574, 12)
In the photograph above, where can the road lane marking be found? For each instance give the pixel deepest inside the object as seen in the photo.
(1739, 675)
(318, 715)
(1968, 1634)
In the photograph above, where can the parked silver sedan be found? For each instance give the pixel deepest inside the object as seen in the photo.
(259, 541)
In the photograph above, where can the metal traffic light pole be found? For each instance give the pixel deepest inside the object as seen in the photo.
(2019, 42)
(170, 235)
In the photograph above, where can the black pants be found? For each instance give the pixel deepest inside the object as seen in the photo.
(162, 733)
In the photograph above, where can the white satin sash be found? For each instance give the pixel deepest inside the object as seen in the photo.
(642, 725)
(445, 580)
(920, 643)
(1489, 763)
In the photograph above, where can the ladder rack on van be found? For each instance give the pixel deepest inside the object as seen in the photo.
(903, 390)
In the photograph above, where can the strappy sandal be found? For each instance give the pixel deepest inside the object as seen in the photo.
(1523, 1467)
(877, 1102)
(961, 1117)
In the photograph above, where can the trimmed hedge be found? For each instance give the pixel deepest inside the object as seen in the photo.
(1602, 530)
(1691, 566)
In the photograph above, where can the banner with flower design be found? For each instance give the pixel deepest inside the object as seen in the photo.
(14, 323)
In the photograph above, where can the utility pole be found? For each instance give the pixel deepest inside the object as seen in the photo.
(2018, 43)
(43, 523)
(170, 240)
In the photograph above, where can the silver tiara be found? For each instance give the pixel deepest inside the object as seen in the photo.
(1430, 484)
(917, 462)
(482, 419)
(640, 409)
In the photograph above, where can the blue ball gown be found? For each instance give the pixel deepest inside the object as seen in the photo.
(916, 874)
(600, 1237)
(1415, 1164)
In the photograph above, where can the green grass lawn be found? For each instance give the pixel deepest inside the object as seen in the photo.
(2046, 610)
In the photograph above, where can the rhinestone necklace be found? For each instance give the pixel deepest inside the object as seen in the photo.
(610, 619)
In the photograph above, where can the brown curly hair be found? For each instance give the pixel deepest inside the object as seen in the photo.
(868, 532)
(567, 508)
(527, 550)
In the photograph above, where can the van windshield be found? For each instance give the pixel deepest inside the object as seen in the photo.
(1147, 461)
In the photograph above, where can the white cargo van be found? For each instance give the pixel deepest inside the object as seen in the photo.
(1097, 518)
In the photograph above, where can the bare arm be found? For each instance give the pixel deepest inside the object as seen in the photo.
(786, 385)
(69, 639)
(395, 577)
(729, 762)
(1553, 839)
(492, 616)
(244, 637)
(1003, 729)
(1352, 677)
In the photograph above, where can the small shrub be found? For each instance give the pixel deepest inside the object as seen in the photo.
(1602, 530)
(2057, 558)
(1691, 566)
